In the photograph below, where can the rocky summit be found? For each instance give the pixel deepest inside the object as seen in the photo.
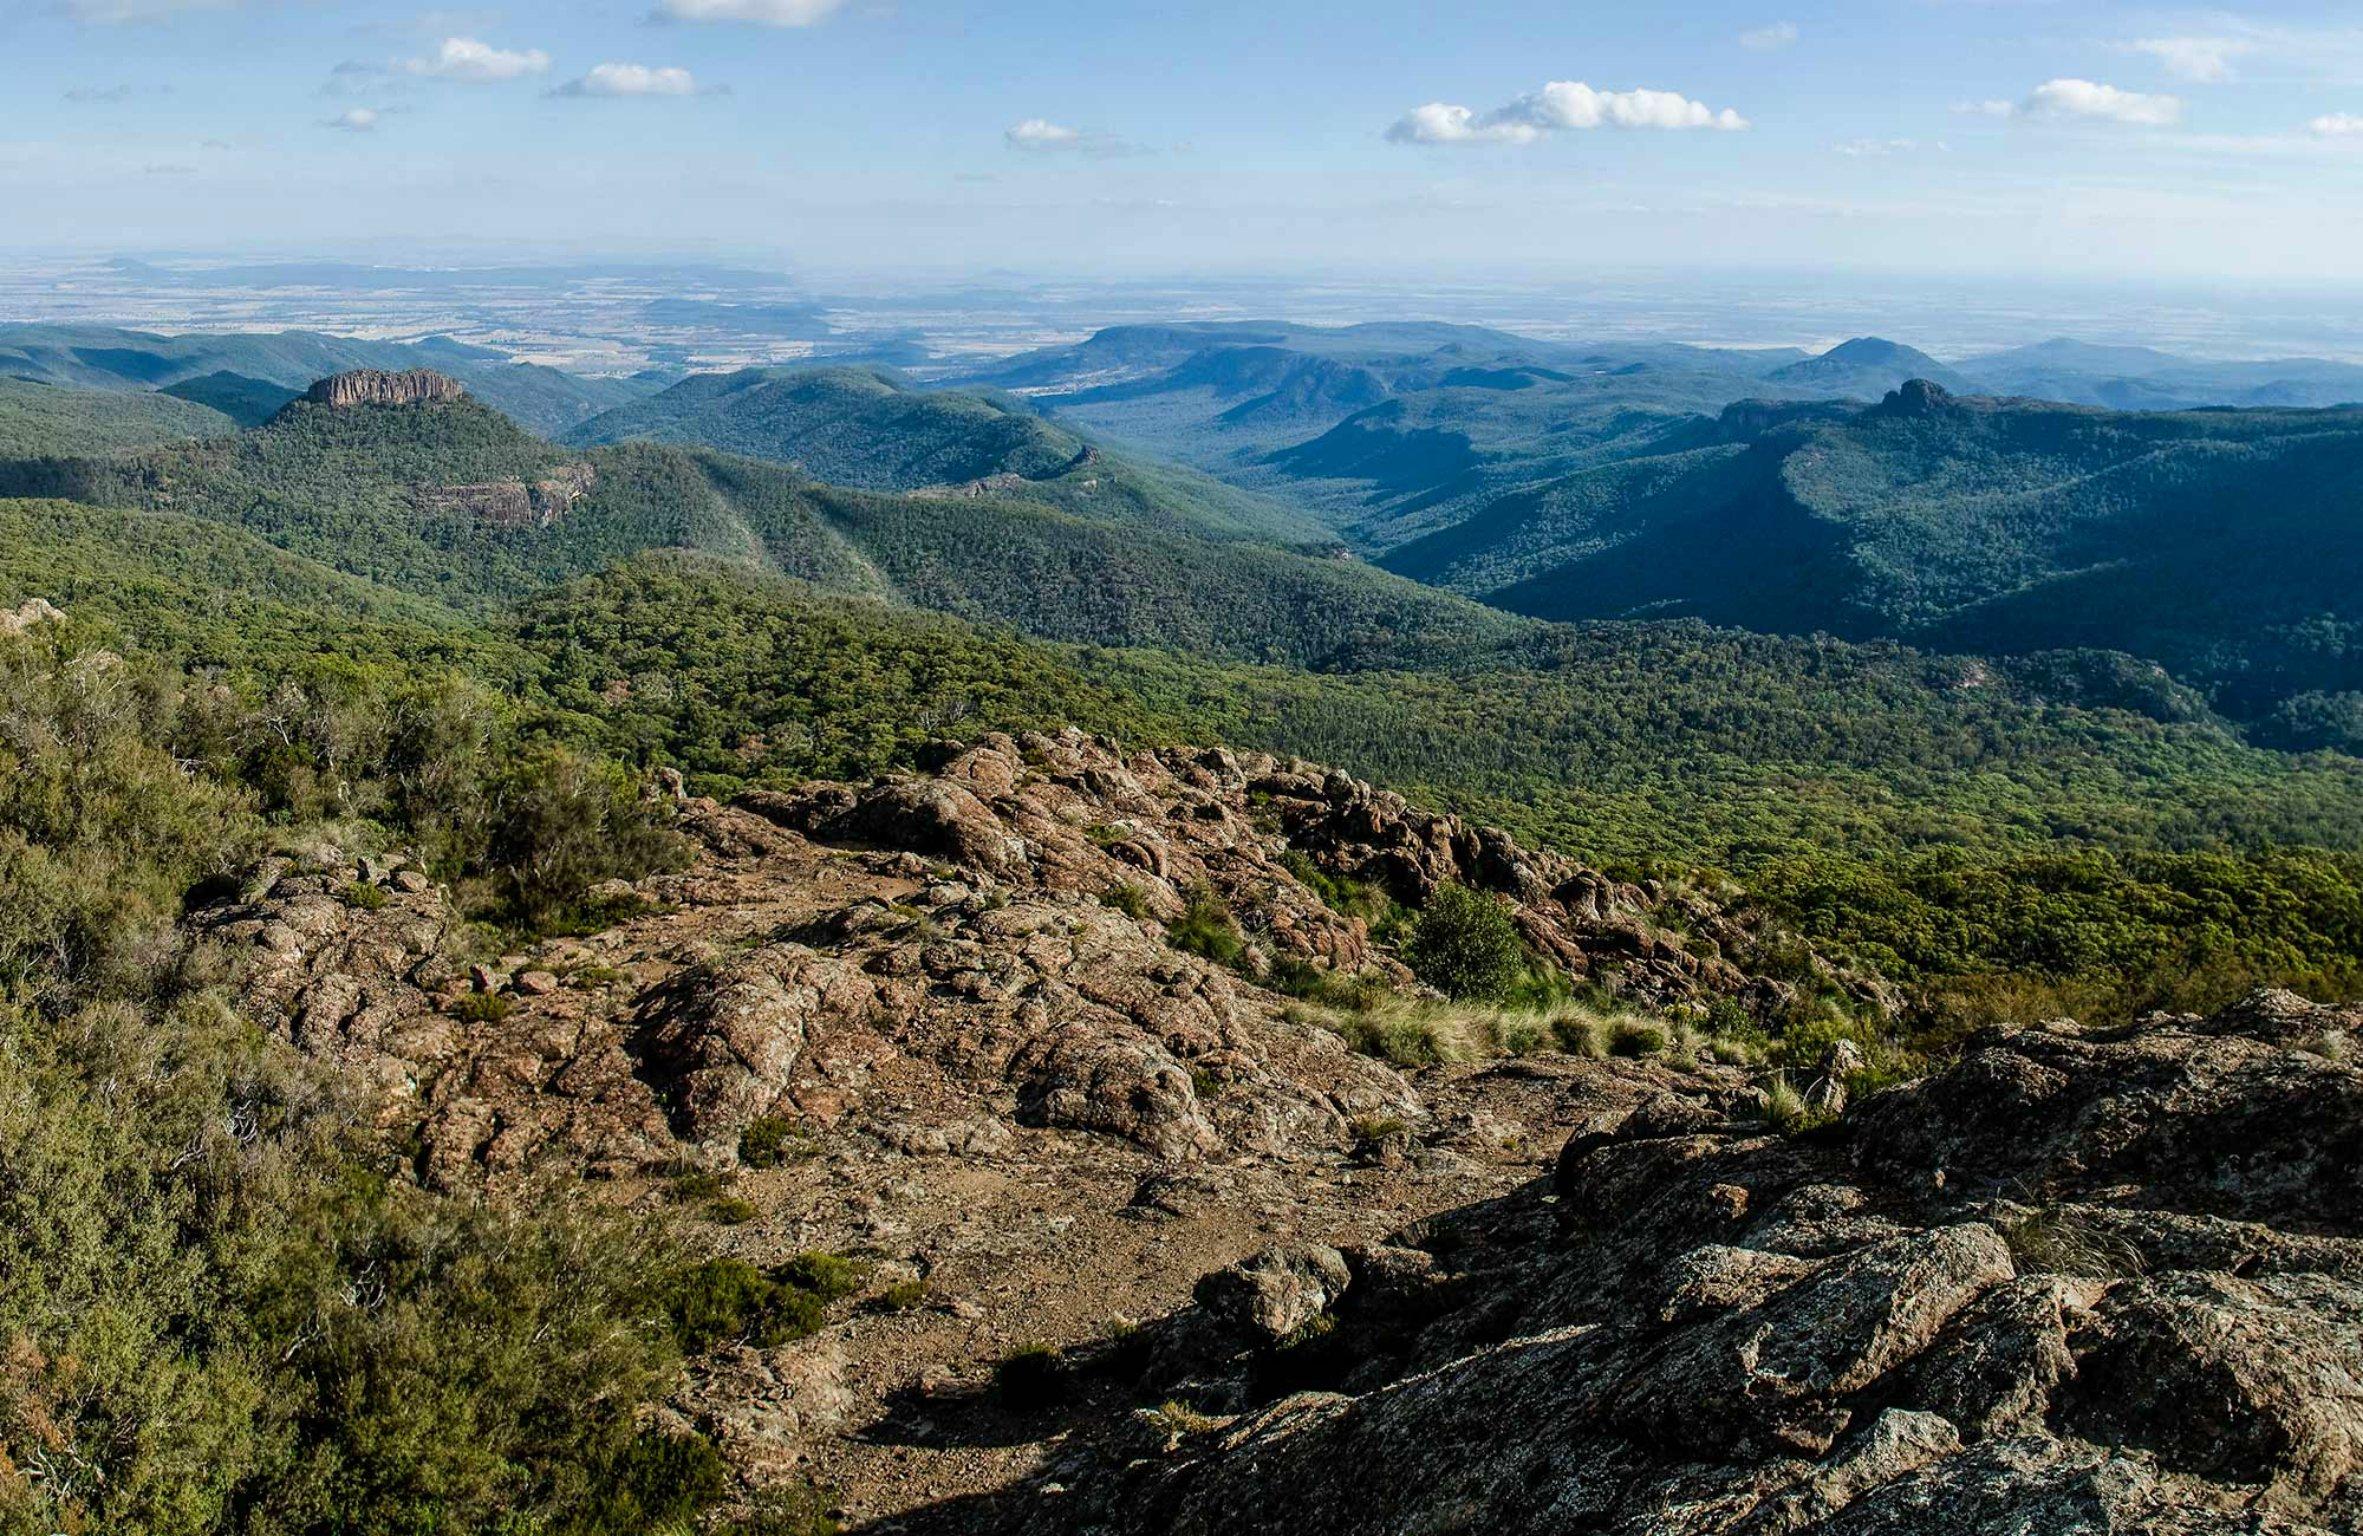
(377, 386)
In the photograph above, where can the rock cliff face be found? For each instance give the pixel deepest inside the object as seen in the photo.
(2074, 1283)
(373, 386)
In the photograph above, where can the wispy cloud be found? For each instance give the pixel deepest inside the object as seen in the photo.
(1559, 107)
(2337, 125)
(761, 13)
(631, 80)
(1041, 136)
(465, 58)
(1770, 39)
(354, 120)
(2088, 100)
(2206, 60)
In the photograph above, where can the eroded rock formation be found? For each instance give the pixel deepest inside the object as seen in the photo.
(377, 386)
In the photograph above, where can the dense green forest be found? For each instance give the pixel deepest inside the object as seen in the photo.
(39, 419)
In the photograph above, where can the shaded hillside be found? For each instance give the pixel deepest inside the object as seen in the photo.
(848, 426)
(46, 419)
(104, 357)
(248, 402)
(866, 429)
(2221, 544)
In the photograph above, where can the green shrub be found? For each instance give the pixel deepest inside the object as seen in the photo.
(482, 1007)
(770, 1141)
(723, 1301)
(1128, 899)
(1465, 945)
(361, 896)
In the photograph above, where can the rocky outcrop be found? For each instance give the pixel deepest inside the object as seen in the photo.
(1074, 813)
(2074, 1282)
(31, 612)
(376, 386)
(536, 503)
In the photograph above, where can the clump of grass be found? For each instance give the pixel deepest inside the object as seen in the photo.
(1637, 1037)
(1177, 1420)
(829, 1276)
(361, 896)
(1375, 1136)
(1205, 929)
(587, 976)
(1032, 1377)
(731, 1210)
(2060, 1242)
(1128, 899)
(1786, 1110)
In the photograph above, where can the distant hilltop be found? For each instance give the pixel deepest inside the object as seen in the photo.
(377, 386)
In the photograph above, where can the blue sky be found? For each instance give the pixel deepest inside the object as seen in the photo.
(1979, 136)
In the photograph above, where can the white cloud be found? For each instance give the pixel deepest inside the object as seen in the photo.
(762, 13)
(1561, 106)
(2106, 103)
(631, 80)
(354, 120)
(2207, 60)
(2337, 125)
(464, 58)
(1771, 39)
(1986, 108)
(1040, 133)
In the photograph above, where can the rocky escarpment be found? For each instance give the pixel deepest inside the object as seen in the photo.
(2076, 1282)
(377, 386)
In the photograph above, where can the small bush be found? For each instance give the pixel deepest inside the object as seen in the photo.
(2057, 1242)
(903, 1296)
(1465, 945)
(724, 1301)
(732, 1210)
(825, 1275)
(361, 896)
(1128, 899)
(770, 1141)
(482, 1008)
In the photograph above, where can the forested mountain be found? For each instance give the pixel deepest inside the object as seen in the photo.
(106, 357)
(2223, 545)
(449, 499)
(867, 429)
(46, 419)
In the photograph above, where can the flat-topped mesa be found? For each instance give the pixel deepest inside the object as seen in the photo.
(377, 386)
